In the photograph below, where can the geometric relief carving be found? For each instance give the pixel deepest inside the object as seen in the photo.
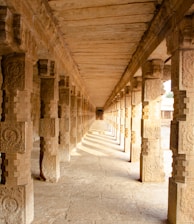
(187, 203)
(12, 204)
(151, 131)
(152, 89)
(13, 67)
(12, 137)
(187, 138)
(188, 68)
(47, 127)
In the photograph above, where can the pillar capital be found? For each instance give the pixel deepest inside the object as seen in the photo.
(136, 83)
(46, 68)
(152, 69)
(182, 35)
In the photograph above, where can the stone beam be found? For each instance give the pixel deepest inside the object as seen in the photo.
(168, 16)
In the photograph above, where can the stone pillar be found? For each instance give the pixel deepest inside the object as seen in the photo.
(151, 159)
(79, 117)
(136, 114)
(181, 184)
(118, 119)
(73, 115)
(122, 119)
(49, 127)
(127, 119)
(64, 119)
(16, 128)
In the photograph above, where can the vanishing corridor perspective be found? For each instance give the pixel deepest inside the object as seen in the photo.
(88, 134)
(99, 185)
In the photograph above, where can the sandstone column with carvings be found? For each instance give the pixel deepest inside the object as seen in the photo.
(136, 114)
(79, 117)
(118, 119)
(151, 158)
(49, 126)
(122, 118)
(127, 119)
(73, 116)
(64, 119)
(181, 184)
(16, 128)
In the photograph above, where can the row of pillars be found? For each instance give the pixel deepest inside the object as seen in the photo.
(135, 118)
(65, 115)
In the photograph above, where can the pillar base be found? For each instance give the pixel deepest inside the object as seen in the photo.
(51, 167)
(180, 202)
(151, 169)
(17, 204)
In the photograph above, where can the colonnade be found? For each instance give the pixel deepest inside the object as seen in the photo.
(142, 133)
(39, 103)
(43, 99)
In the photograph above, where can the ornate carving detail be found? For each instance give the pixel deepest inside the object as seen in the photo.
(13, 72)
(187, 138)
(187, 203)
(188, 68)
(12, 201)
(152, 131)
(13, 137)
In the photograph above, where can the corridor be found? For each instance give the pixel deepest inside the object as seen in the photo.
(99, 186)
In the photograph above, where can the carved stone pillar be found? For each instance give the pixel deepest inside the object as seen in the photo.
(181, 184)
(16, 128)
(79, 117)
(122, 119)
(127, 119)
(118, 118)
(64, 119)
(49, 126)
(151, 159)
(73, 114)
(136, 114)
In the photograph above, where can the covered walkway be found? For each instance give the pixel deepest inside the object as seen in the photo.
(99, 186)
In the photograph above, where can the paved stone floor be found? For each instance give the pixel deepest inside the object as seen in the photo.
(100, 186)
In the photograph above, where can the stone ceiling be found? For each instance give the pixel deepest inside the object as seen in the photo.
(102, 36)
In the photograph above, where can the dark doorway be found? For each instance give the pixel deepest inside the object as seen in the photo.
(99, 114)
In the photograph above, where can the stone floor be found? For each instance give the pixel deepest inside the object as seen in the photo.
(100, 186)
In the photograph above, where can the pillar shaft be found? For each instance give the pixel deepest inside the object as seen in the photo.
(73, 114)
(64, 119)
(127, 119)
(151, 159)
(16, 198)
(118, 119)
(181, 184)
(136, 113)
(79, 118)
(122, 119)
(49, 126)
